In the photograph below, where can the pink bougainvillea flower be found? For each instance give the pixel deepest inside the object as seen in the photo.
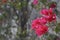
(35, 2)
(36, 27)
(43, 20)
(53, 5)
(54, 17)
(35, 23)
(38, 21)
(4, 1)
(50, 11)
(41, 30)
(49, 18)
(39, 24)
(48, 14)
(44, 12)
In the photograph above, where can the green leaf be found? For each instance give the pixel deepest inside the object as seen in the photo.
(57, 29)
(1, 17)
(57, 13)
(51, 37)
(51, 3)
(43, 1)
(18, 5)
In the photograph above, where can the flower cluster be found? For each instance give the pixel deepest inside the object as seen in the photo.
(4, 1)
(39, 24)
(48, 14)
(53, 5)
(35, 2)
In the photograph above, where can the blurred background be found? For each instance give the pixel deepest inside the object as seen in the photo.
(16, 17)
